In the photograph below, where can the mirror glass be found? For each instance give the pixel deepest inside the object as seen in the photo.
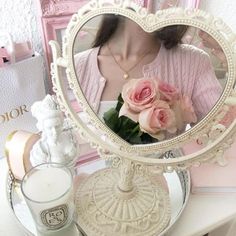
(148, 87)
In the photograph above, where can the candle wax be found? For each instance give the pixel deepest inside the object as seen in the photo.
(47, 184)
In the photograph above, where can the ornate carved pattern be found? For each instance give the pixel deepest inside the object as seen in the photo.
(126, 176)
(105, 210)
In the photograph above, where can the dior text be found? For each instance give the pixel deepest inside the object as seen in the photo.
(13, 114)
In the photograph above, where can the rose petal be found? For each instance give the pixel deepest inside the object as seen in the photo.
(160, 135)
(154, 119)
(124, 111)
(168, 92)
(145, 118)
(140, 94)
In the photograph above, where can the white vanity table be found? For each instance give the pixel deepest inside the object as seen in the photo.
(202, 214)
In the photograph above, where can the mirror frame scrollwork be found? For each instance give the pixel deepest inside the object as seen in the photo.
(149, 22)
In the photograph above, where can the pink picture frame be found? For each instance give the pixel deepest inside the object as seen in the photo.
(55, 16)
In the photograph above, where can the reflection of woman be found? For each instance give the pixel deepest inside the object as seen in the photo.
(123, 50)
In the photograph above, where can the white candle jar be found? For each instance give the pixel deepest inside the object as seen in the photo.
(48, 191)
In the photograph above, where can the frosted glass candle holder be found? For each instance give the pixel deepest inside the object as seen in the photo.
(48, 191)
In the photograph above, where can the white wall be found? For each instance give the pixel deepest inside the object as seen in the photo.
(225, 9)
(20, 19)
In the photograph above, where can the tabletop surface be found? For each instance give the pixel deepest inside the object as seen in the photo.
(202, 214)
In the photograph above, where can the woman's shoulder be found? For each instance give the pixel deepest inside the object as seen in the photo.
(191, 51)
(188, 55)
(85, 55)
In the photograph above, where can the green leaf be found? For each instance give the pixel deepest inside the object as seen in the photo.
(146, 139)
(135, 140)
(111, 118)
(119, 103)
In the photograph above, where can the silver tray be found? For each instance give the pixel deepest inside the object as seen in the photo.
(179, 189)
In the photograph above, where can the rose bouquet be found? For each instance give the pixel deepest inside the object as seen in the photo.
(149, 110)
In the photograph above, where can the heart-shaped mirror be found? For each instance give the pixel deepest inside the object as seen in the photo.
(170, 73)
(122, 83)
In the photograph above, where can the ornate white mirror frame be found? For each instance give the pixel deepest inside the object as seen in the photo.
(149, 22)
(121, 189)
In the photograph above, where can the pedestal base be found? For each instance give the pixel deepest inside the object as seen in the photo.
(104, 210)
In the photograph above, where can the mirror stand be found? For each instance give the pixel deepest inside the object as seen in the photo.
(120, 201)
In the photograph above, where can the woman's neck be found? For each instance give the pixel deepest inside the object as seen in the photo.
(130, 40)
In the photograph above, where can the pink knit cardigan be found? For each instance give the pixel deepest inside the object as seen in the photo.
(185, 67)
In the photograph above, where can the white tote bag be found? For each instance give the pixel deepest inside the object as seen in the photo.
(21, 84)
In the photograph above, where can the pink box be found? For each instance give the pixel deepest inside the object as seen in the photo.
(213, 178)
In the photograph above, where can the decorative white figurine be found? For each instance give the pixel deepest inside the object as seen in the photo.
(55, 145)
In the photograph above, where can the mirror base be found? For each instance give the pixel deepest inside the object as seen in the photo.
(103, 209)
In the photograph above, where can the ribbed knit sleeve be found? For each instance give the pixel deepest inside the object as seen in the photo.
(207, 89)
(89, 78)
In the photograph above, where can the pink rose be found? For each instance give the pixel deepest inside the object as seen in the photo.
(168, 93)
(138, 94)
(157, 118)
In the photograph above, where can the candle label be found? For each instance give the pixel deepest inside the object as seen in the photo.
(55, 217)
